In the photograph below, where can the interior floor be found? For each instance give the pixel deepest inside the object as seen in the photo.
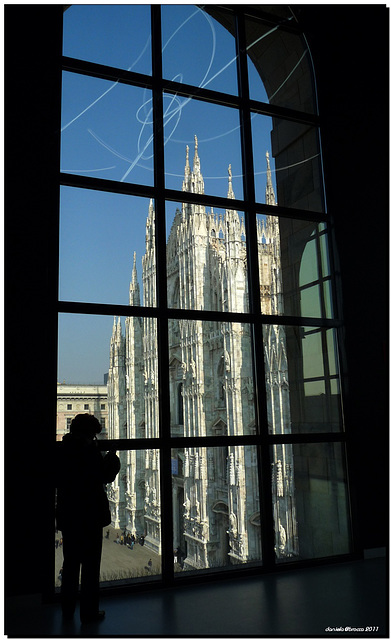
(318, 601)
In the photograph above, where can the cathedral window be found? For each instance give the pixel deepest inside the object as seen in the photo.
(199, 190)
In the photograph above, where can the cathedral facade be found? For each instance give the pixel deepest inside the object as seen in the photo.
(216, 506)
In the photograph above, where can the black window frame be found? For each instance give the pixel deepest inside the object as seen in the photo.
(163, 313)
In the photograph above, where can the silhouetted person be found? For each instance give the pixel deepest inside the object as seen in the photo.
(82, 512)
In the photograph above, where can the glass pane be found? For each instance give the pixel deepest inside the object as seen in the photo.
(211, 378)
(106, 130)
(280, 67)
(104, 240)
(264, 165)
(105, 34)
(206, 258)
(135, 529)
(197, 50)
(310, 501)
(213, 131)
(132, 381)
(293, 268)
(215, 508)
(296, 152)
(83, 350)
(121, 356)
(302, 380)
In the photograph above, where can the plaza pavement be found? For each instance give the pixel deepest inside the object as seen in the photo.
(118, 561)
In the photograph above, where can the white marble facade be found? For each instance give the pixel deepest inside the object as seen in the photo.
(215, 490)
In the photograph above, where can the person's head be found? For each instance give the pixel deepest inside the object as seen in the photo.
(86, 426)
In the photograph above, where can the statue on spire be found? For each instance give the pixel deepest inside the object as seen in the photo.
(230, 190)
(196, 161)
(270, 197)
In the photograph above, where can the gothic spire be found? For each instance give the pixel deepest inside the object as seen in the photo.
(134, 288)
(193, 180)
(150, 227)
(114, 328)
(151, 209)
(119, 329)
(186, 185)
(197, 179)
(270, 196)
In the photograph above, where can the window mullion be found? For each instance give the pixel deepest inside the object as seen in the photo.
(166, 518)
(264, 467)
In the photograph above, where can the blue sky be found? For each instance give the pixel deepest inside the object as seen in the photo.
(107, 133)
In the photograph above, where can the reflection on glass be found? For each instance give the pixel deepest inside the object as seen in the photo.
(214, 133)
(105, 34)
(293, 267)
(106, 129)
(211, 378)
(206, 259)
(282, 66)
(310, 302)
(216, 517)
(102, 239)
(264, 165)
(302, 381)
(296, 153)
(188, 34)
(310, 501)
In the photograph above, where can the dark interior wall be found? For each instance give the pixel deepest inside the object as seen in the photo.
(32, 50)
(349, 45)
(351, 61)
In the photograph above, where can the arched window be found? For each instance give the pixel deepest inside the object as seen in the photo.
(198, 169)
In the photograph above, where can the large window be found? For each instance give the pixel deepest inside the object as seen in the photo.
(192, 211)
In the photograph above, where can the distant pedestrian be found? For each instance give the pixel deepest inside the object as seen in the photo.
(150, 563)
(107, 534)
